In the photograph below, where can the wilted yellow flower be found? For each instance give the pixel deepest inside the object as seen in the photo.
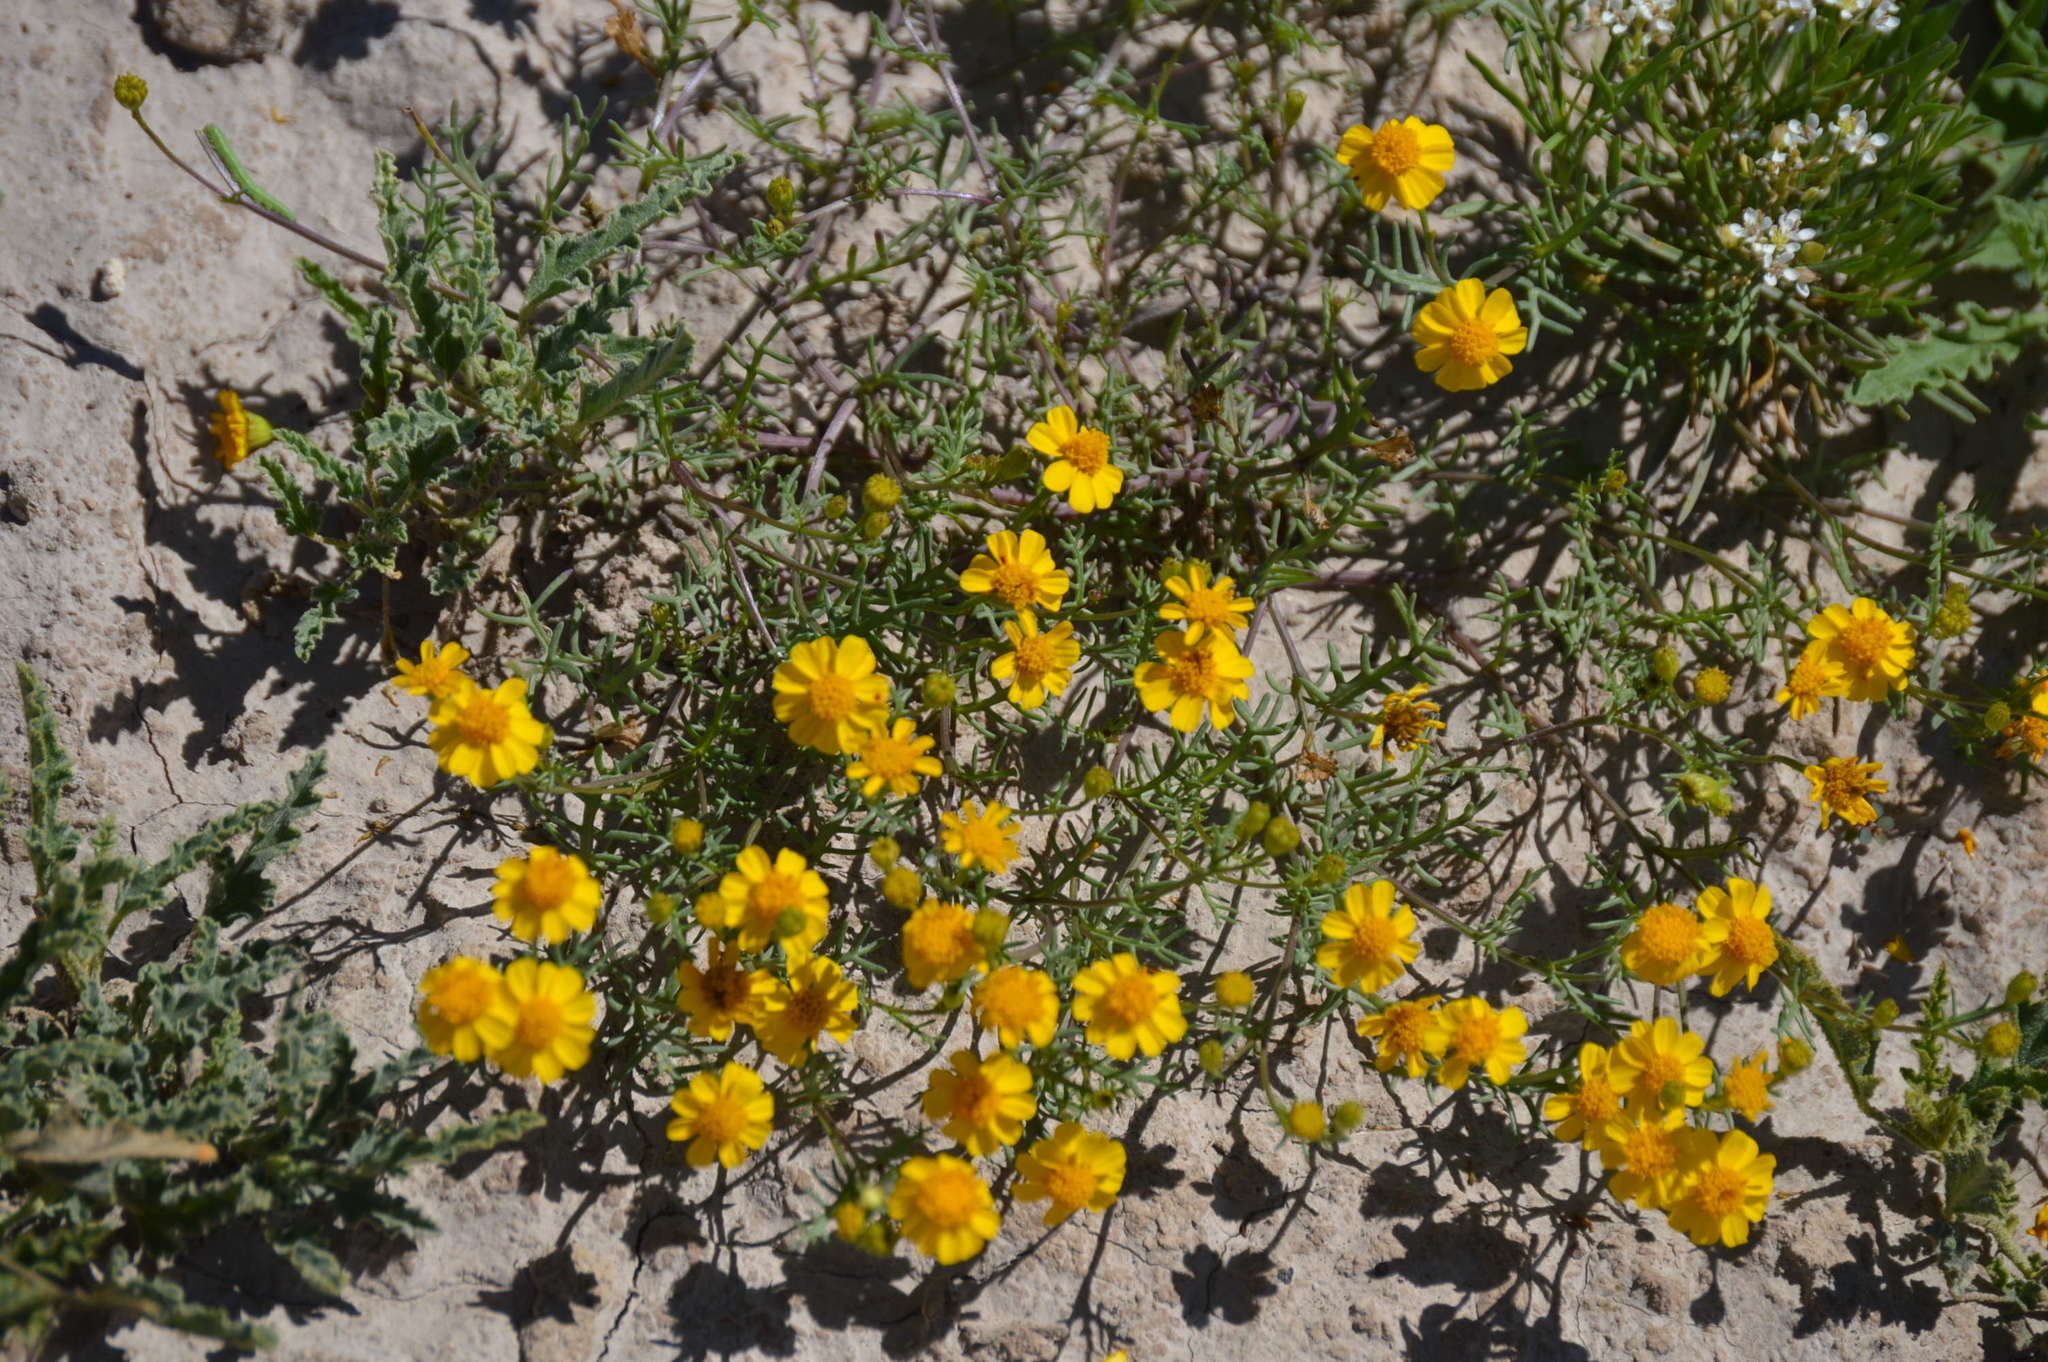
(237, 432)
(1403, 159)
(1842, 786)
(939, 944)
(2028, 734)
(1873, 650)
(830, 694)
(1747, 1086)
(723, 1117)
(1405, 721)
(1467, 334)
(720, 994)
(1815, 676)
(1080, 464)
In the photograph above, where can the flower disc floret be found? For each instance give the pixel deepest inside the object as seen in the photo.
(1667, 945)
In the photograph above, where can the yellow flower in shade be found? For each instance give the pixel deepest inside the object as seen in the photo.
(1722, 1188)
(1583, 1113)
(724, 1117)
(1037, 665)
(237, 432)
(2039, 1229)
(2028, 734)
(980, 836)
(1470, 1035)
(1080, 464)
(1128, 1008)
(1666, 946)
(720, 994)
(1202, 606)
(485, 736)
(892, 759)
(1405, 721)
(1842, 786)
(817, 1000)
(1074, 1169)
(1467, 334)
(437, 673)
(1403, 159)
(1368, 942)
(779, 900)
(1660, 1067)
(1191, 678)
(1813, 677)
(1404, 1035)
(545, 895)
(1234, 990)
(944, 1207)
(551, 1013)
(1737, 924)
(464, 1009)
(1746, 1086)
(686, 836)
(1017, 570)
(1873, 650)
(939, 944)
(982, 1104)
(1018, 1003)
(830, 694)
(1642, 1152)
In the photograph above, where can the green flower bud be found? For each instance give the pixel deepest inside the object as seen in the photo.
(2002, 1041)
(1346, 1117)
(1210, 1055)
(874, 525)
(1954, 616)
(835, 507)
(1794, 1055)
(881, 493)
(1997, 716)
(884, 851)
(1280, 837)
(1291, 107)
(790, 922)
(2020, 988)
(1253, 821)
(660, 908)
(1885, 1013)
(871, 1198)
(1615, 482)
(1103, 1099)
(781, 196)
(1664, 664)
(1098, 783)
(878, 1240)
(130, 90)
(991, 929)
(1702, 791)
(1329, 869)
(1172, 568)
(938, 689)
(903, 888)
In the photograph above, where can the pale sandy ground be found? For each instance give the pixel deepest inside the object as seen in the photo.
(137, 579)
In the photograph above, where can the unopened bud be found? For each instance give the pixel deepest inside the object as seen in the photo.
(1346, 1117)
(938, 690)
(1885, 1013)
(991, 929)
(874, 525)
(2002, 1041)
(660, 908)
(903, 888)
(1253, 821)
(884, 851)
(1664, 664)
(1210, 1055)
(686, 835)
(1329, 869)
(1098, 783)
(2020, 988)
(1290, 109)
(790, 922)
(130, 90)
(881, 493)
(1794, 1055)
(1280, 837)
(781, 196)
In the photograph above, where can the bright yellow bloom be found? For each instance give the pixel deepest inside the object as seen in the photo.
(944, 1207)
(1470, 1034)
(892, 759)
(437, 673)
(1192, 677)
(1202, 606)
(1660, 1067)
(1736, 922)
(1642, 1150)
(1018, 1003)
(1404, 159)
(830, 694)
(722, 993)
(939, 944)
(723, 1118)
(1128, 1008)
(1967, 840)
(2039, 1229)
(1466, 335)
(485, 736)
(817, 1000)
(1842, 786)
(1815, 676)
(1074, 1169)
(464, 1009)
(1405, 1034)
(237, 432)
(779, 900)
(1746, 1086)
(686, 836)
(1019, 571)
(551, 1030)
(1404, 721)
(1666, 946)
(1080, 464)
(980, 836)
(1368, 942)
(1873, 650)
(982, 1104)
(1306, 1121)
(1037, 665)
(1234, 990)
(1582, 1113)
(546, 895)
(1722, 1188)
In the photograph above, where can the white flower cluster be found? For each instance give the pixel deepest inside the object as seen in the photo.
(1619, 16)
(1853, 136)
(1776, 243)
(1850, 130)
(1882, 15)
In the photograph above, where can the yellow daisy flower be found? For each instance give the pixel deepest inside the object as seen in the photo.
(1659, 1067)
(1191, 678)
(1583, 1112)
(1128, 1008)
(1203, 606)
(1873, 650)
(893, 759)
(980, 836)
(830, 694)
(1019, 571)
(464, 1010)
(1404, 159)
(945, 1208)
(545, 895)
(1074, 1169)
(237, 432)
(939, 944)
(721, 993)
(551, 1030)
(1736, 922)
(437, 673)
(1368, 942)
(1018, 1003)
(723, 1117)
(1642, 1152)
(1842, 786)
(1723, 1186)
(1404, 1034)
(1814, 676)
(817, 1000)
(1666, 946)
(486, 736)
(1405, 721)
(1746, 1086)
(780, 900)
(1080, 464)
(1470, 1034)
(982, 1104)
(1466, 335)
(1037, 665)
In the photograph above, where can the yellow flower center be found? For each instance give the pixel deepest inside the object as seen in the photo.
(947, 1198)
(982, 839)
(540, 1021)
(1374, 939)
(1087, 450)
(1720, 1191)
(975, 1100)
(888, 757)
(463, 997)
(1015, 584)
(1659, 1069)
(1595, 1102)
(1396, 150)
(831, 697)
(1864, 642)
(1648, 1151)
(483, 721)
(727, 989)
(1071, 1184)
(1193, 672)
(771, 894)
(722, 1119)
(1207, 605)
(1034, 659)
(1129, 1000)
(1476, 1037)
(1842, 786)
(1473, 342)
(808, 1010)
(1748, 1089)
(1751, 942)
(1008, 1001)
(548, 882)
(1670, 935)
(1406, 1024)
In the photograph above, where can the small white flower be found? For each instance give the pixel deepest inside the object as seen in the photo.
(1854, 137)
(1620, 16)
(1882, 14)
(1799, 12)
(1788, 140)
